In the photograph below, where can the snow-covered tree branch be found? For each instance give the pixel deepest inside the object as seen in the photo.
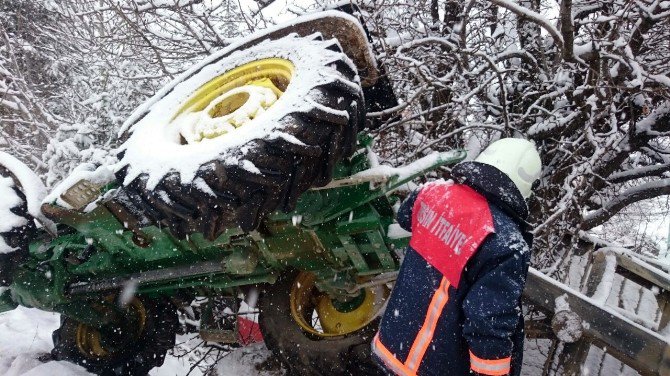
(586, 80)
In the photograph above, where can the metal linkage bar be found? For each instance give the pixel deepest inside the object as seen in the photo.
(380, 279)
(161, 275)
(390, 178)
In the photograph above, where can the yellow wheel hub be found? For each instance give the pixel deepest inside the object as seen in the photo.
(317, 314)
(233, 99)
(89, 340)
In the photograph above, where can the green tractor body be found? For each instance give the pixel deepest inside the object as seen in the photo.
(338, 232)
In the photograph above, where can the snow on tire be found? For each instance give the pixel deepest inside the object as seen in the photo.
(16, 226)
(240, 136)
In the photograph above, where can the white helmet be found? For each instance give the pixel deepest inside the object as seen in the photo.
(516, 158)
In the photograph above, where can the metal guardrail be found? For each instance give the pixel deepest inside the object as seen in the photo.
(642, 348)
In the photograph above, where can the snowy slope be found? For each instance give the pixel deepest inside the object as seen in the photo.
(25, 337)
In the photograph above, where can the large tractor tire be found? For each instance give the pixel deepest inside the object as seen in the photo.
(240, 136)
(16, 227)
(152, 335)
(313, 335)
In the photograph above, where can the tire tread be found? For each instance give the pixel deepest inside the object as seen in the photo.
(327, 134)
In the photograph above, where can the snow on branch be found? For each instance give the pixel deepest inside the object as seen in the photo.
(141, 6)
(534, 17)
(640, 172)
(641, 192)
(426, 41)
(657, 121)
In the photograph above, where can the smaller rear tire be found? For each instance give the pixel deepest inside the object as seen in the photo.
(80, 344)
(304, 353)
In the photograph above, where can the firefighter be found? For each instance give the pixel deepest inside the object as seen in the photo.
(456, 306)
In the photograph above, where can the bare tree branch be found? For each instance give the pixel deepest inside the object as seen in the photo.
(534, 17)
(641, 192)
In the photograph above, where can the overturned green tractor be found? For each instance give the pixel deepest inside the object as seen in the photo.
(250, 170)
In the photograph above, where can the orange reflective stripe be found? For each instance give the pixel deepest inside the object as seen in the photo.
(493, 367)
(425, 336)
(389, 360)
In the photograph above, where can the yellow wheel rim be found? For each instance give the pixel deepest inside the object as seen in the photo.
(316, 313)
(89, 340)
(233, 99)
(89, 343)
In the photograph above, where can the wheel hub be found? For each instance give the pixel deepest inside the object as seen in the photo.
(320, 315)
(233, 99)
(94, 343)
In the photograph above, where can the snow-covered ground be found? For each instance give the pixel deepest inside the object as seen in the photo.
(25, 342)
(25, 337)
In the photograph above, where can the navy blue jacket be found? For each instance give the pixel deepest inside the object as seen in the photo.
(480, 328)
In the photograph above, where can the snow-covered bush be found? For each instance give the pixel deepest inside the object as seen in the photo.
(72, 71)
